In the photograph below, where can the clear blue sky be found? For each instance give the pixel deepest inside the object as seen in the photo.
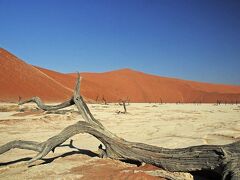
(189, 39)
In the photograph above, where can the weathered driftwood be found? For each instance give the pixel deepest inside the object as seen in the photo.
(44, 107)
(222, 159)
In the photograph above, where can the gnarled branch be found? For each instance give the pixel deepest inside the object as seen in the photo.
(44, 107)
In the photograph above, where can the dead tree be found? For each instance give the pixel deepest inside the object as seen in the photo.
(97, 98)
(223, 159)
(122, 103)
(19, 98)
(161, 101)
(128, 100)
(124, 107)
(104, 100)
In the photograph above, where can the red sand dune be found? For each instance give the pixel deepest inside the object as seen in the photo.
(18, 78)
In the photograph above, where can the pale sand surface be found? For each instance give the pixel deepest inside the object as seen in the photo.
(166, 125)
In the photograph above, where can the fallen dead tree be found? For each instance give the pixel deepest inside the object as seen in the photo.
(221, 159)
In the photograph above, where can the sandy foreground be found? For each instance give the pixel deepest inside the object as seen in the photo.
(166, 125)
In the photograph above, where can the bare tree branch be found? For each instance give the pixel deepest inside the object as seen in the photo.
(44, 107)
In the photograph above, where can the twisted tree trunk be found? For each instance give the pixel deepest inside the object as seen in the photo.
(44, 107)
(224, 159)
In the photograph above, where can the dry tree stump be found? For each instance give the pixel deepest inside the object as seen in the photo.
(221, 159)
(122, 103)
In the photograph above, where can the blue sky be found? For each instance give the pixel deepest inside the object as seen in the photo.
(188, 39)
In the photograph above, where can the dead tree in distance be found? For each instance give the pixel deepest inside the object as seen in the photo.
(222, 159)
(161, 101)
(19, 99)
(124, 107)
(122, 103)
(97, 99)
(104, 100)
(128, 100)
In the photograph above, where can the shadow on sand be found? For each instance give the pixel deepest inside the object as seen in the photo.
(49, 160)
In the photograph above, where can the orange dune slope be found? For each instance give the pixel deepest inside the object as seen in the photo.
(140, 87)
(18, 78)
